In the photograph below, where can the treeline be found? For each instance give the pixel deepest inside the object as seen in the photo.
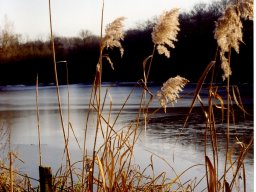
(20, 62)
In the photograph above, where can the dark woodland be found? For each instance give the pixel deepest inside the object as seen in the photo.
(20, 61)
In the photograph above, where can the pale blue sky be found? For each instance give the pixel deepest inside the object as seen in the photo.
(30, 17)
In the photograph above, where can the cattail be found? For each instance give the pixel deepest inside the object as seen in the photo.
(170, 90)
(114, 33)
(165, 31)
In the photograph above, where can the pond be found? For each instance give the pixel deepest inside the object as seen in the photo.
(163, 137)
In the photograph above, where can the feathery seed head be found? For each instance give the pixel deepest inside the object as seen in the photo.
(246, 9)
(165, 31)
(114, 33)
(225, 66)
(98, 67)
(228, 31)
(163, 50)
(170, 90)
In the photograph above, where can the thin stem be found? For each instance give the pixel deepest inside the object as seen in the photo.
(102, 17)
(85, 137)
(99, 95)
(205, 154)
(212, 120)
(38, 125)
(11, 171)
(228, 121)
(66, 65)
(68, 137)
(58, 94)
(150, 63)
(145, 109)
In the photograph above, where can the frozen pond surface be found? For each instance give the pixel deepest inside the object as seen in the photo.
(164, 136)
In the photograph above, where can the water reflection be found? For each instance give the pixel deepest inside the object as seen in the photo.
(165, 137)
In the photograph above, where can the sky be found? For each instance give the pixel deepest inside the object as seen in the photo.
(30, 18)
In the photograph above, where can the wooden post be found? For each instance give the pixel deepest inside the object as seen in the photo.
(45, 174)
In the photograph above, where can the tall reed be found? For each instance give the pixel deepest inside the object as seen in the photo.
(38, 124)
(109, 165)
(228, 34)
(58, 94)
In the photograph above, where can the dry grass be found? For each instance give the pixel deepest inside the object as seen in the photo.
(111, 165)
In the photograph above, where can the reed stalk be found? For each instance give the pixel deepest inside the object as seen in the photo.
(85, 138)
(114, 158)
(38, 124)
(228, 121)
(58, 94)
(11, 171)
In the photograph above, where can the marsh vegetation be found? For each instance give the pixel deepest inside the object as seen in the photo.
(106, 160)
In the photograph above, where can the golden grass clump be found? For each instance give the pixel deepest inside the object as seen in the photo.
(114, 33)
(170, 90)
(17, 182)
(165, 31)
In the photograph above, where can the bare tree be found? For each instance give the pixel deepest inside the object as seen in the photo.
(9, 41)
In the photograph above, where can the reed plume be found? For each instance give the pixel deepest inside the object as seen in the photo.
(114, 33)
(165, 31)
(228, 31)
(246, 9)
(170, 90)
